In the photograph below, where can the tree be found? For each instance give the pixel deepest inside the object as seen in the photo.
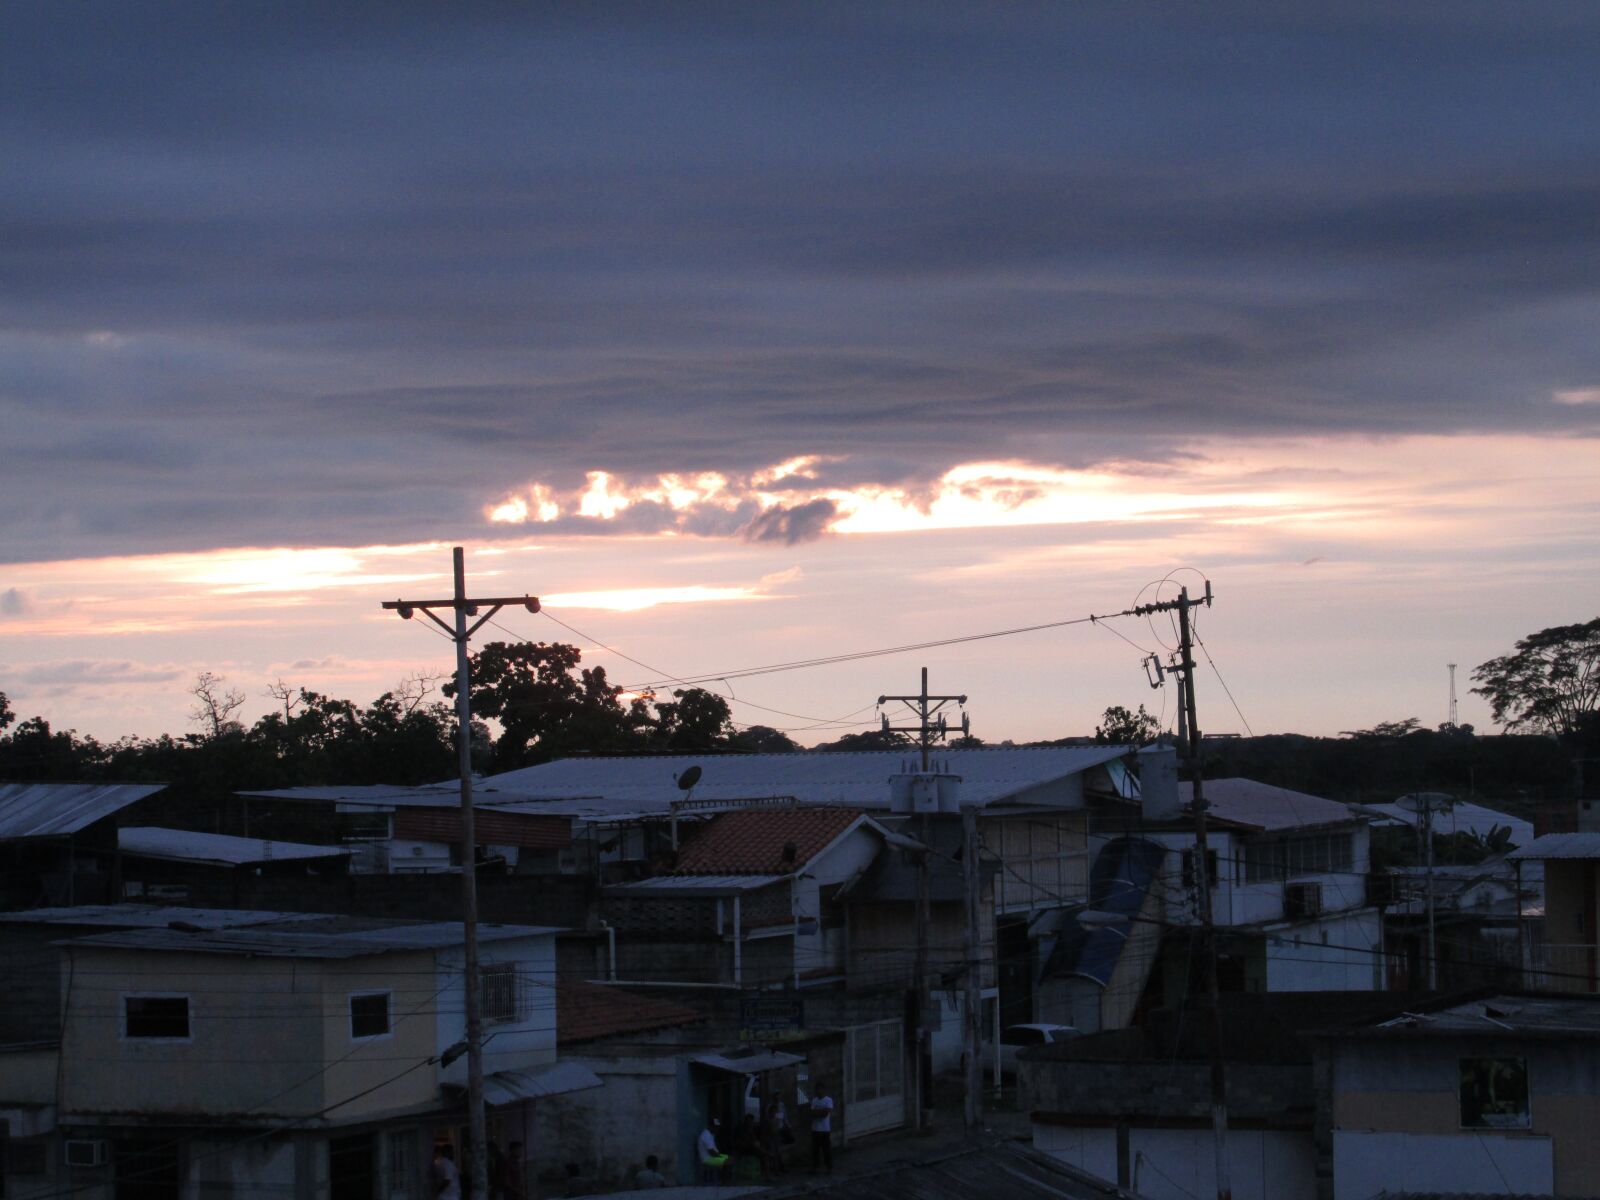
(1119, 727)
(694, 719)
(214, 707)
(547, 706)
(1549, 684)
(1385, 731)
(6, 715)
(762, 739)
(871, 739)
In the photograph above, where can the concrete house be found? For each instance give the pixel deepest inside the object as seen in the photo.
(311, 1056)
(1566, 956)
(1497, 1096)
(1287, 873)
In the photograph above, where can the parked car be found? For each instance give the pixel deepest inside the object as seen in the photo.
(1015, 1037)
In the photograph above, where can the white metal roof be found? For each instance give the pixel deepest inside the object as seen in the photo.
(1561, 845)
(1462, 816)
(600, 788)
(1270, 809)
(152, 916)
(184, 845)
(361, 938)
(36, 810)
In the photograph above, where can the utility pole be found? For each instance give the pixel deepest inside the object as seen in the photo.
(1184, 668)
(973, 951)
(928, 730)
(460, 633)
(1433, 945)
(926, 708)
(1455, 712)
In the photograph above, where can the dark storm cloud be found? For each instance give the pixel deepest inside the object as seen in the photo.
(346, 273)
(791, 524)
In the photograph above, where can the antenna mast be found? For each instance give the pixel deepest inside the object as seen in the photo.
(1453, 713)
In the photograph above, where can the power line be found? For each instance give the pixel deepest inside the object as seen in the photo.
(853, 656)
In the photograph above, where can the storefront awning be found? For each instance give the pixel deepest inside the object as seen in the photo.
(751, 1063)
(513, 1087)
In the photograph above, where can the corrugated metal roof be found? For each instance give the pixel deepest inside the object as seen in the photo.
(1119, 880)
(749, 1062)
(1461, 817)
(557, 1079)
(1575, 1016)
(600, 787)
(184, 845)
(152, 916)
(1561, 845)
(705, 885)
(1268, 808)
(36, 810)
(368, 937)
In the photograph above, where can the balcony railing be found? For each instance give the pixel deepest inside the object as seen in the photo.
(1564, 967)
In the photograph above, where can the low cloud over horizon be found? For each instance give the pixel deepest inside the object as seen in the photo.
(343, 280)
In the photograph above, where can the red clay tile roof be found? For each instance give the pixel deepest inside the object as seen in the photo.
(750, 841)
(585, 1011)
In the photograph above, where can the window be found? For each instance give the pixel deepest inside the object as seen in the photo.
(161, 1018)
(1286, 858)
(369, 1015)
(501, 996)
(1494, 1093)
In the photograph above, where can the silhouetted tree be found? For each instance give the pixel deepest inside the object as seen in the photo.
(871, 739)
(214, 705)
(1119, 727)
(694, 719)
(1549, 684)
(547, 706)
(762, 739)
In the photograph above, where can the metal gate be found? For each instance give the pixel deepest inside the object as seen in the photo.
(874, 1077)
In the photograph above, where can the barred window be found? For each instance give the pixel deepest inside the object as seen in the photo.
(502, 993)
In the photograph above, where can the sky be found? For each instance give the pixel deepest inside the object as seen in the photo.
(742, 334)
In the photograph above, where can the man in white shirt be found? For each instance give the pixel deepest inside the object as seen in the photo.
(446, 1175)
(711, 1158)
(821, 1129)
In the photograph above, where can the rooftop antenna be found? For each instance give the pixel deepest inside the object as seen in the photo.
(1453, 713)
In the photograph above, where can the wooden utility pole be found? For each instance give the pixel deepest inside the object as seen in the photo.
(472, 985)
(973, 953)
(1184, 668)
(931, 727)
(926, 707)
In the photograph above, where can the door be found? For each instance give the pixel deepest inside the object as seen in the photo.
(874, 1092)
(353, 1168)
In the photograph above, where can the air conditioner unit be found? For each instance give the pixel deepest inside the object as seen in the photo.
(85, 1152)
(1302, 899)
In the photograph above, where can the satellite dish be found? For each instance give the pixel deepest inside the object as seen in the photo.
(688, 779)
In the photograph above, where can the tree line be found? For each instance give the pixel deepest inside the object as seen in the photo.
(545, 704)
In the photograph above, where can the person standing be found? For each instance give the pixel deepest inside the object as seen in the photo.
(511, 1183)
(821, 1129)
(446, 1176)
